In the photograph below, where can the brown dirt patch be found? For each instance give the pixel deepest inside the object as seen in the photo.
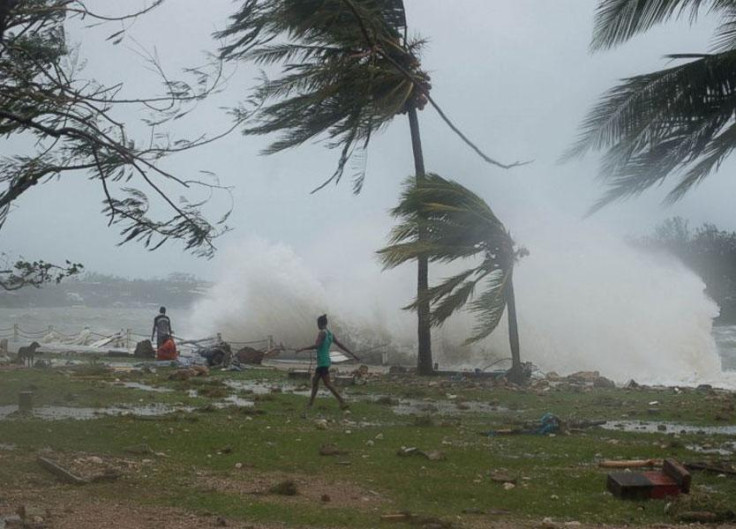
(310, 489)
(73, 509)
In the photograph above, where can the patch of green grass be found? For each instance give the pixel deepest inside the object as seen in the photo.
(554, 476)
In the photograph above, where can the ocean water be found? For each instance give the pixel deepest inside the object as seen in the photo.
(72, 320)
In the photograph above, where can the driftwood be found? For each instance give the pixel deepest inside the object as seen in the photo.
(710, 468)
(631, 463)
(61, 472)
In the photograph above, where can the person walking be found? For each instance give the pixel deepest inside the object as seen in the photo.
(325, 339)
(161, 327)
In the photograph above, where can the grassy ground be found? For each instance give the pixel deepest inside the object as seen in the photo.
(215, 459)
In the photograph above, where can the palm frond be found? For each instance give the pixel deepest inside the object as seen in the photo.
(658, 124)
(725, 37)
(334, 85)
(617, 21)
(490, 305)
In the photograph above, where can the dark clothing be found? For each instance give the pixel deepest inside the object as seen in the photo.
(161, 328)
(322, 370)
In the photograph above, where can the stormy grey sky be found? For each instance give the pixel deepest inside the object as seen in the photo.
(516, 76)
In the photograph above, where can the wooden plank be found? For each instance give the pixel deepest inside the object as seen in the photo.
(60, 471)
(679, 473)
(662, 485)
(629, 485)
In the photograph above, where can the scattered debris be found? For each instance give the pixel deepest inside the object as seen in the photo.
(425, 522)
(670, 481)
(432, 455)
(709, 467)
(60, 472)
(631, 463)
(144, 349)
(548, 424)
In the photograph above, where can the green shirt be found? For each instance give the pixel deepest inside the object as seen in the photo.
(323, 352)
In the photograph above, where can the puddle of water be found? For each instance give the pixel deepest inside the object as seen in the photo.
(258, 388)
(66, 412)
(672, 428)
(234, 400)
(144, 387)
(725, 450)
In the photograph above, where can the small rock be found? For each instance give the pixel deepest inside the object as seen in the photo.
(435, 455)
(331, 450)
(321, 424)
(325, 498)
(284, 488)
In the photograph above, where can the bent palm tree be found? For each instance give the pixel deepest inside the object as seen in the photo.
(457, 224)
(676, 121)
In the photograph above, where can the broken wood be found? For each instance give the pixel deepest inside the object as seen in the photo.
(631, 463)
(710, 468)
(60, 471)
(679, 473)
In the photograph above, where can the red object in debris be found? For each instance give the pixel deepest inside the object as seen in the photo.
(642, 485)
(679, 473)
(662, 485)
(167, 351)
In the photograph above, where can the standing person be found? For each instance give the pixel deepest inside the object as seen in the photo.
(325, 338)
(161, 327)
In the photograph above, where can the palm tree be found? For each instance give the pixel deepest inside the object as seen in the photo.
(675, 121)
(348, 69)
(455, 223)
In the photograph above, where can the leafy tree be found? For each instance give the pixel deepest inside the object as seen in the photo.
(70, 124)
(675, 121)
(458, 224)
(20, 273)
(348, 69)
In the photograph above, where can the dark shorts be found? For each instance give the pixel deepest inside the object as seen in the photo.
(320, 371)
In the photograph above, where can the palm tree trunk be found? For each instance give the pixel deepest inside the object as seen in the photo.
(516, 374)
(424, 335)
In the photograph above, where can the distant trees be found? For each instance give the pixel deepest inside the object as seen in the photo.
(101, 290)
(674, 121)
(62, 123)
(708, 251)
